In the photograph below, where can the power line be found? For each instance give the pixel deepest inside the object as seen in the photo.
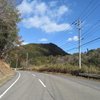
(94, 31)
(87, 35)
(70, 42)
(92, 6)
(85, 9)
(72, 49)
(63, 32)
(90, 28)
(94, 15)
(90, 10)
(90, 41)
(72, 23)
(84, 44)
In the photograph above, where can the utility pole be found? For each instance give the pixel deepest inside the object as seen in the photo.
(16, 63)
(27, 59)
(79, 39)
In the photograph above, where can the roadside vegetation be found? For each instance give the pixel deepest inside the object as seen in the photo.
(40, 60)
(67, 64)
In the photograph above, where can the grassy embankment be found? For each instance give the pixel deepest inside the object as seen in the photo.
(5, 71)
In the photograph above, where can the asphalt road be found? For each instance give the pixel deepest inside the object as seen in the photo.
(28, 85)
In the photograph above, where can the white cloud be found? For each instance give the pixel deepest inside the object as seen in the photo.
(75, 38)
(24, 43)
(41, 15)
(53, 3)
(53, 27)
(36, 22)
(39, 9)
(63, 9)
(70, 39)
(43, 39)
(25, 7)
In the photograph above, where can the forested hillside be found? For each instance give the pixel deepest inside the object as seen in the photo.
(49, 57)
(34, 53)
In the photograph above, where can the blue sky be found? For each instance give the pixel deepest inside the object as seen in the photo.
(50, 21)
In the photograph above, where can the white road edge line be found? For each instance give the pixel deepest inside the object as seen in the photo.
(10, 86)
(42, 83)
(33, 74)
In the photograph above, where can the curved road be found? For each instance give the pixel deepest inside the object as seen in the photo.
(28, 85)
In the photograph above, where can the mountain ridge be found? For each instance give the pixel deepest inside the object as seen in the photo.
(44, 49)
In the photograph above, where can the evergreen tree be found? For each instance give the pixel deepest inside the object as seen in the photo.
(9, 18)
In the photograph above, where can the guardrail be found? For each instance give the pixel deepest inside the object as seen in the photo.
(90, 75)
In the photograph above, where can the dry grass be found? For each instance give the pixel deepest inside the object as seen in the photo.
(5, 71)
(65, 68)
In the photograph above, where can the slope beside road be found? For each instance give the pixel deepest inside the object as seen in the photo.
(28, 85)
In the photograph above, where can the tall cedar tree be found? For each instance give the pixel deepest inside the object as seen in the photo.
(9, 18)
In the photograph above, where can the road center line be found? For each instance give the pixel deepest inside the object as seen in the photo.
(42, 83)
(10, 86)
(33, 74)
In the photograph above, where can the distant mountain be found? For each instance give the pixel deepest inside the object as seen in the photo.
(44, 49)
